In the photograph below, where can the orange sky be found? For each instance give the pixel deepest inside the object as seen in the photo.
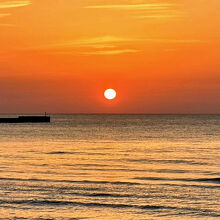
(162, 56)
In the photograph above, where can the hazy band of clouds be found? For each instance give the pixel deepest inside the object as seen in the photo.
(110, 41)
(109, 45)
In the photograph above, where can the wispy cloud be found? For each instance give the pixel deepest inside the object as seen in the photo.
(4, 15)
(174, 41)
(144, 11)
(133, 6)
(105, 41)
(14, 4)
(104, 45)
(111, 52)
(159, 16)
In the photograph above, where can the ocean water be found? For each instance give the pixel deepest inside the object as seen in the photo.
(130, 167)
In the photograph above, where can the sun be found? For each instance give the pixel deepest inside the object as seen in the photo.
(110, 94)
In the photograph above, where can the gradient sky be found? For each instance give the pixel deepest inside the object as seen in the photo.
(161, 56)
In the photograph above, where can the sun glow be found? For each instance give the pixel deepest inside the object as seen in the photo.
(110, 94)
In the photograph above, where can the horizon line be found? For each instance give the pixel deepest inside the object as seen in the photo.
(38, 113)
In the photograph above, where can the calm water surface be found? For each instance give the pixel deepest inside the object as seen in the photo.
(129, 167)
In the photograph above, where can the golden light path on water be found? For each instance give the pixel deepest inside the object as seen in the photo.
(111, 167)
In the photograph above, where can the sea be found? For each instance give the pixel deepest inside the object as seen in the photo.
(111, 167)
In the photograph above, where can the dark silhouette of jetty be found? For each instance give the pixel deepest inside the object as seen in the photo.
(27, 119)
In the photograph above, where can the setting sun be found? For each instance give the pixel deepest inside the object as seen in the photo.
(110, 94)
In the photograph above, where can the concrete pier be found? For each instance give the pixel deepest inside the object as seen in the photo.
(26, 119)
